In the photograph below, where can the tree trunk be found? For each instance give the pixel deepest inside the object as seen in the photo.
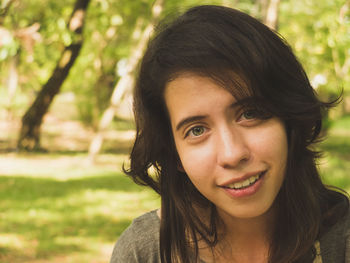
(271, 18)
(29, 138)
(262, 6)
(125, 82)
(230, 3)
(12, 82)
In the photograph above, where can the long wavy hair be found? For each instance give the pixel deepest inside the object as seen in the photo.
(222, 43)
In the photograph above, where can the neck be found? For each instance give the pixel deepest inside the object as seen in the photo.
(248, 228)
(246, 239)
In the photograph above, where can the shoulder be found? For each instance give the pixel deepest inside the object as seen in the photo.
(139, 243)
(335, 243)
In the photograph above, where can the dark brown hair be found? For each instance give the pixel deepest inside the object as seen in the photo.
(220, 42)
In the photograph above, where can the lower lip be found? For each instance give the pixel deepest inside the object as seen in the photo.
(245, 192)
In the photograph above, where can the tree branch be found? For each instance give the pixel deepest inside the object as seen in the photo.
(4, 11)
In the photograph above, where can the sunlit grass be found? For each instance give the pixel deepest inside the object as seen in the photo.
(75, 218)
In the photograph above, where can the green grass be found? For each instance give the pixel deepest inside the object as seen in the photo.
(65, 213)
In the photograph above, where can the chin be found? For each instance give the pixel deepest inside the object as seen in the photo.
(252, 213)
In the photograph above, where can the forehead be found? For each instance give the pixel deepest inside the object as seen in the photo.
(194, 95)
(234, 83)
(191, 87)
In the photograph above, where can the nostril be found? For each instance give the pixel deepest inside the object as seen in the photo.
(231, 164)
(233, 157)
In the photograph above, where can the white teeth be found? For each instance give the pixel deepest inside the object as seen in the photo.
(253, 179)
(245, 183)
(238, 185)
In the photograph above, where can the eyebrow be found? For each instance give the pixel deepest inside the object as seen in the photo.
(185, 121)
(201, 117)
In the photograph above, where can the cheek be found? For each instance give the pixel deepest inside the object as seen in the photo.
(272, 144)
(196, 162)
(268, 144)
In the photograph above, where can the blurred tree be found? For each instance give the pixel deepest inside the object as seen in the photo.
(4, 8)
(126, 81)
(11, 43)
(264, 10)
(108, 43)
(319, 33)
(271, 15)
(33, 34)
(29, 138)
(341, 55)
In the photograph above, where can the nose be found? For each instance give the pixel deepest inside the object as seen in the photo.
(232, 148)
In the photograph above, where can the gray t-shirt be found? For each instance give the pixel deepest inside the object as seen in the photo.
(139, 243)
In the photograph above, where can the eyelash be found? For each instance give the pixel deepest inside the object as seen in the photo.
(254, 111)
(257, 114)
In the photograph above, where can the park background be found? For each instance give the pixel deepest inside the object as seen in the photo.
(66, 76)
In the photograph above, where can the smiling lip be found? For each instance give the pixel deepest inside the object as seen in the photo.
(244, 191)
(242, 178)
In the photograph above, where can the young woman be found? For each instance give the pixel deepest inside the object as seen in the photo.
(227, 117)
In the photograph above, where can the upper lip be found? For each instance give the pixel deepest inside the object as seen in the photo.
(241, 178)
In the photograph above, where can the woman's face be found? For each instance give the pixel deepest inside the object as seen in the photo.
(236, 160)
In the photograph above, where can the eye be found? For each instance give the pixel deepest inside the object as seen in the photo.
(250, 114)
(254, 114)
(196, 131)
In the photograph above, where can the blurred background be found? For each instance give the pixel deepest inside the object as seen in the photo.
(66, 76)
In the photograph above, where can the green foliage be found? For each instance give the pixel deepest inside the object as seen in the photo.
(9, 46)
(317, 30)
(335, 165)
(342, 125)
